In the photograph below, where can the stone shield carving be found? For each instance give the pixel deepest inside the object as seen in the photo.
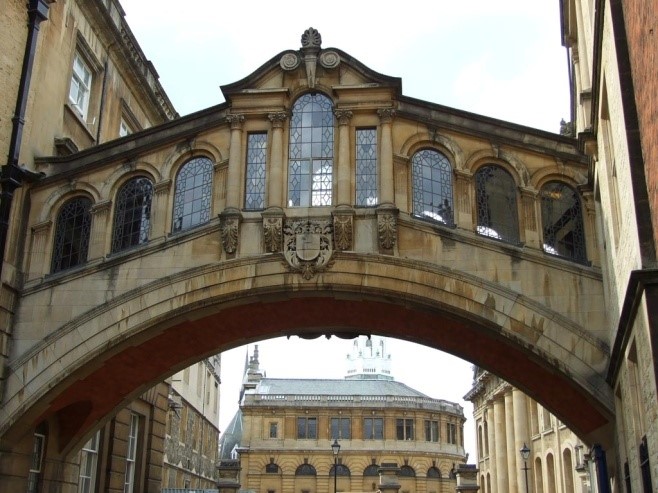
(308, 246)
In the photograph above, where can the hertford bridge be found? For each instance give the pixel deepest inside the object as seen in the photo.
(317, 200)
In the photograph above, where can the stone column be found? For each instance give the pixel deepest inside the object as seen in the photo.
(521, 436)
(500, 445)
(510, 416)
(463, 196)
(275, 184)
(235, 153)
(386, 178)
(343, 188)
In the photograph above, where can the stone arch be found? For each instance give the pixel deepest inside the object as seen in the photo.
(60, 195)
(508, 161)
(124, 173)
(174, 317)
(441, 143)
(557, 173)
(188, 150)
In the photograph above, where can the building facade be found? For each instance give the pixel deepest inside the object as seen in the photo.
(507, 421)
(613, 87)
(192, 427)
(284, 430)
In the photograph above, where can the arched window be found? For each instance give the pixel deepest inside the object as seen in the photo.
(193, 193)
(562, 221)
(132, 216)
(371, 470)
(342, 469)
(497, 213)
(271, 468)
(407, 472)
(311, 151)
(305, 470)
(433, 472)
(72, 233)
(432, 186)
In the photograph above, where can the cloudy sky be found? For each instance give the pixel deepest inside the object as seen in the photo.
(498, 58)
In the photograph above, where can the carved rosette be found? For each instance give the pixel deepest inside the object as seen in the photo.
(273, 233)
(343, 230)
(230, 231)
(307, 246)
(387, 228)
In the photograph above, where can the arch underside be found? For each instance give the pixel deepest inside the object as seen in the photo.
(115, 351)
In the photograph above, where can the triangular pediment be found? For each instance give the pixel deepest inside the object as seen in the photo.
(310, 68)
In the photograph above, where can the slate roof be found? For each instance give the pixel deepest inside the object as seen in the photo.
(292, 386)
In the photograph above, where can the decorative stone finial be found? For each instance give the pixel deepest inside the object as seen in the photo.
(311, 38)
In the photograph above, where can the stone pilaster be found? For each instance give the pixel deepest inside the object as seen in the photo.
(529, 206)
(343, 181)
(234, 168)
(159, 209)
(521, 437)
(386, 178)
(38, 255)
(101, 227)
(275, 185)
(463, 200)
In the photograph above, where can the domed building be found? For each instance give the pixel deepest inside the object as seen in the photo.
(284, 429)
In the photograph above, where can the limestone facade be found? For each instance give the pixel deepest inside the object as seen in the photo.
(287, 426)
(506, 420)
(612, 94)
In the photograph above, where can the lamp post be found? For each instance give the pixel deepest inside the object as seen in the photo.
(335, 448)
(525, 453)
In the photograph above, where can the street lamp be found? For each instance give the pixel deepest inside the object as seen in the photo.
(525, 453)
(335, 448)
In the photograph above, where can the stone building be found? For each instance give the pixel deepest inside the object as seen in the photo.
(507, 421)
(192, 432)
(284, 429)
(324, 193)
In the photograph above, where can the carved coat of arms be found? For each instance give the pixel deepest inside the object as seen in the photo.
(308, 245)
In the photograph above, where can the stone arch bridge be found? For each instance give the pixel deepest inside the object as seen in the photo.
(317, 200)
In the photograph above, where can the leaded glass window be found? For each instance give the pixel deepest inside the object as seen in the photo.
(311, 152)
(193, 194)
(72, 234)
(132, 217)
(256, 160)
(497, 212)
(432, 186)
(562, 221)
(366, 167)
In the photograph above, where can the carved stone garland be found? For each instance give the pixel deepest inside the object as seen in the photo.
(307, 246)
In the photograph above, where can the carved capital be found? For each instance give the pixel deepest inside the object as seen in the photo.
(230, 229)
(343, 229)
(101, 207)
(236, 121)
(162, 187)
(277, 119)
(387, 228)
(42, 227)
(343, 116)
(386, 115)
